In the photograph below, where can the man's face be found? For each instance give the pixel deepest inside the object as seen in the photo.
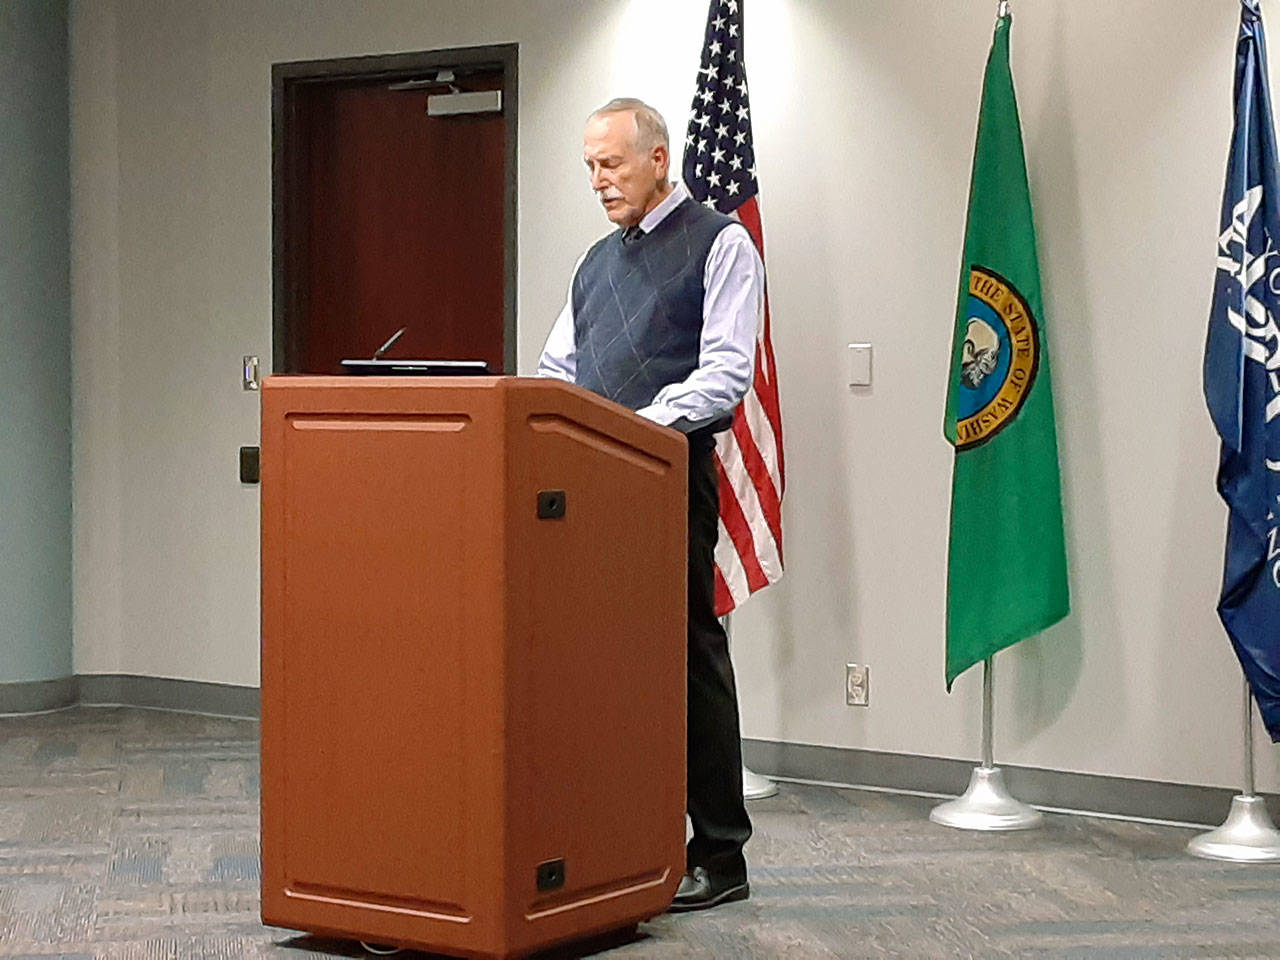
(627, 180)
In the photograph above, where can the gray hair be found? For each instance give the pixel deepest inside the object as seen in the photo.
(651, 129)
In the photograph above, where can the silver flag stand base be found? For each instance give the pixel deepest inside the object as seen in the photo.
(1247, 836)
(986, 805)
(756, 787)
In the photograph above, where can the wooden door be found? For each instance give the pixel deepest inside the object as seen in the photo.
(388, 217)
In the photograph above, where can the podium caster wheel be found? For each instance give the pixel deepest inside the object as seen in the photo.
(378, 949)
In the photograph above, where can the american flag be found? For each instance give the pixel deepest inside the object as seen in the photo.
(720, 171)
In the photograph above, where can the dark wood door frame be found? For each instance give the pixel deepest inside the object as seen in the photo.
(287, 159)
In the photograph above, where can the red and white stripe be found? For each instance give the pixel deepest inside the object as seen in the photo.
(752, 476)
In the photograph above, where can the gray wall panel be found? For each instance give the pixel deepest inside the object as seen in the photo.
(35, 353)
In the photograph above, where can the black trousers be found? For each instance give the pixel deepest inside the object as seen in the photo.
(720, 823)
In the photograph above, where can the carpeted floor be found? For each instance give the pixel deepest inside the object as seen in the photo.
(133, 834)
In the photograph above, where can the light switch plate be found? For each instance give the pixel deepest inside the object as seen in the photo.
(859, 364)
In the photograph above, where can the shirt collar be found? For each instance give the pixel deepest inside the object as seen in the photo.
(663, 210)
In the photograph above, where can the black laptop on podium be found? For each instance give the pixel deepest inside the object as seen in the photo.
(413, 368)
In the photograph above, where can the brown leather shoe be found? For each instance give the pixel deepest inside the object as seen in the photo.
(699, 891)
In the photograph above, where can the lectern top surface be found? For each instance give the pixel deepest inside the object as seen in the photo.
(416, 368)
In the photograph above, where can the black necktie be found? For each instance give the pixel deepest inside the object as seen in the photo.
(632, 233)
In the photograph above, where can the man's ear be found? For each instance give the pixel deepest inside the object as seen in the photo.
(662, 160)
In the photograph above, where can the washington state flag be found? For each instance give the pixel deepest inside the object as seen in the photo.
(1006, 564)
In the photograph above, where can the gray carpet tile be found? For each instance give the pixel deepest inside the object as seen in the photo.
(133, 835)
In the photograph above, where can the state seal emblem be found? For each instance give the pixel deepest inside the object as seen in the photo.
(998, 361)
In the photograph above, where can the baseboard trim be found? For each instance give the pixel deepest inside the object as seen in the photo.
(1059, 789)
(130, 690)
(38, 696)
(165, 693)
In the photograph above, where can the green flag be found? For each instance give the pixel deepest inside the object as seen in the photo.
(1006, 568)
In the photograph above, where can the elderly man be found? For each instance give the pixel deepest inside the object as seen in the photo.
(662, 318)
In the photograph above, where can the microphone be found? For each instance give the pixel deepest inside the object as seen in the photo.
(377, 354)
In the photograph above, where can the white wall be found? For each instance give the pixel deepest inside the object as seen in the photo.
(864, 118)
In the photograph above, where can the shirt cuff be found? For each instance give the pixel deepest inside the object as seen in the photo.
(658, 413)
(662, 414)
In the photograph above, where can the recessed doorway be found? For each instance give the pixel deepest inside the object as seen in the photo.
(394, 205)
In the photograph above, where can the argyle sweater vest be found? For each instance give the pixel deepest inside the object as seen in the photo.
(637, 306)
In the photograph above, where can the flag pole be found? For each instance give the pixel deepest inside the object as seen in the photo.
(988, 712)
(754, 786)
(1247, 835)
(987, 804)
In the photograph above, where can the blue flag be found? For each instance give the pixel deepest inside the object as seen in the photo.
(1242, 375)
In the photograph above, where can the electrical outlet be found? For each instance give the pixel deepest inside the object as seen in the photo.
(857, 684)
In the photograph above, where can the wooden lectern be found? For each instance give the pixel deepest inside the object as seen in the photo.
(473, 662)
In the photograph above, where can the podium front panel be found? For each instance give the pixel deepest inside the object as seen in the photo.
(380, 658)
